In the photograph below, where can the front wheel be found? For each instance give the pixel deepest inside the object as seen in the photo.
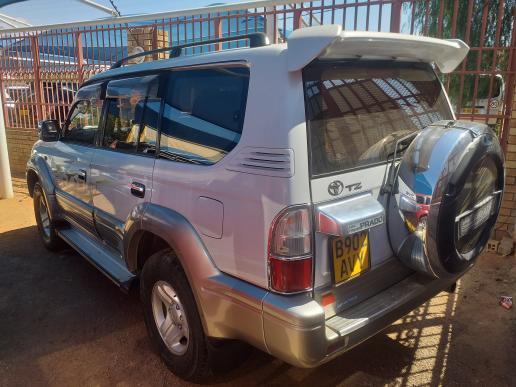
(46, 226)
(172, 319)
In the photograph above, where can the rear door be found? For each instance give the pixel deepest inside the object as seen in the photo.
(71, 158)
(356, 111)
(121, 169)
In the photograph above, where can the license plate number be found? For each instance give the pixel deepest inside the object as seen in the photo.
(350, 256)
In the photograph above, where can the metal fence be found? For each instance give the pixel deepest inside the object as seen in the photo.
(42, 67)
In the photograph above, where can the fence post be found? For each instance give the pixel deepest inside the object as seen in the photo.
(36, 69)
(79, 54)
(298, 17)
(396, 15)
(217, 22)
(154, 39)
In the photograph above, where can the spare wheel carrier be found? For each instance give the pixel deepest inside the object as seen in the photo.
(459, 165)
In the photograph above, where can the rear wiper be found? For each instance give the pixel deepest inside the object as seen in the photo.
(391, 176)
(399, 151)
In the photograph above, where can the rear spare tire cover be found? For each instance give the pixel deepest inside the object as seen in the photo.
(446, 198)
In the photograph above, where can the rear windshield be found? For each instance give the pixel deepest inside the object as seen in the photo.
(357, 110)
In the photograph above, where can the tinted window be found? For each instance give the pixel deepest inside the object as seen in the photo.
(125, 100)
(83, 124)
(356, 111)
(149, 131)
(203, 114)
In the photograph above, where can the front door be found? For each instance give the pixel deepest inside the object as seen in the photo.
(73, 154)
(121, 169)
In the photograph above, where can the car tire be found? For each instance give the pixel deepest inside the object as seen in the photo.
(46, 226)
(172, 319)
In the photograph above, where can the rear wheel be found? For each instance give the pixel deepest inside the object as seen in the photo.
(46, 226)
(172, 319)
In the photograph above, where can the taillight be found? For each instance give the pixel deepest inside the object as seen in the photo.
(290, 251)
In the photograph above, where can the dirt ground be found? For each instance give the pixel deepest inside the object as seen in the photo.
(62, 323)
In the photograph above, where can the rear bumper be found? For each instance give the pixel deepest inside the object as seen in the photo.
(294, 328)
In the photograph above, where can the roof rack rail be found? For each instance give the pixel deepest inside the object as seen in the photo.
(256, 39)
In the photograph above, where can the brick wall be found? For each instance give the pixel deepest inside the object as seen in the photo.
(19, 145)
(507, 215)
(147, 38)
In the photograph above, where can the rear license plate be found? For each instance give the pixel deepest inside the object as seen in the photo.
(350, 256)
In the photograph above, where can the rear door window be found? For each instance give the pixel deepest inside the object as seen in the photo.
(203, 113)
(357, 110)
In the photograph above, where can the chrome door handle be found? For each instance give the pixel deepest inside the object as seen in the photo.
(137, 189)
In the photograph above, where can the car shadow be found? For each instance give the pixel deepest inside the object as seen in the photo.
(51, 301)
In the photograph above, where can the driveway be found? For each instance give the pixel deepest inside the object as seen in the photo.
(62, 323)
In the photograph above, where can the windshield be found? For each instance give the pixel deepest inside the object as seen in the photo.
(357, 110)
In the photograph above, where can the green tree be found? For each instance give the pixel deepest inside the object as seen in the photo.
(426, 15)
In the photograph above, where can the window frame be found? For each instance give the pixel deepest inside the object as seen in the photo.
(163, 86)
(365, 166)
(214, 65)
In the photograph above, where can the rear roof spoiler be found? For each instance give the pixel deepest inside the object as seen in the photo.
(330, 42)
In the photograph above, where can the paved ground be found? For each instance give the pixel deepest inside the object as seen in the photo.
(63, 324)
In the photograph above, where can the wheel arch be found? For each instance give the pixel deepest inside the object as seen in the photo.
(166, 228)
(32, 179)
(38, 171)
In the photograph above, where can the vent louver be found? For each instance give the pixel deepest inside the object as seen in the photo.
(264, 161)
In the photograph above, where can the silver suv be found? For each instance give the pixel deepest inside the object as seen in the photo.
(298, 197)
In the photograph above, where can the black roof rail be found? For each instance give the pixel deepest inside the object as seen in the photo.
(256, 39)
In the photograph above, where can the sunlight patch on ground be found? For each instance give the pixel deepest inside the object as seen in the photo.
(428, 332)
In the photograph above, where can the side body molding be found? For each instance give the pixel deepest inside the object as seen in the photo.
(229, 308)
(39, 166)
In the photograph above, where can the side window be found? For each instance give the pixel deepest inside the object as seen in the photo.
(83, 124)
(203, 114)
(125, 101)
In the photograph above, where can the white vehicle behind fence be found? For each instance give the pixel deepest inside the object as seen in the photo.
(490, 100)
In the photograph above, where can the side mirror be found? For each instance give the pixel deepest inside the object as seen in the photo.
(49, 130)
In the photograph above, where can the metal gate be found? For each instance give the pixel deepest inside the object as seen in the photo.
(42, 67)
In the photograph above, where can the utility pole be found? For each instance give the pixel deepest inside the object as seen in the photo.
(6, 184)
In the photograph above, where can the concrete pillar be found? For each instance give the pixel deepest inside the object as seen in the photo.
(6, 184)
(270, 26)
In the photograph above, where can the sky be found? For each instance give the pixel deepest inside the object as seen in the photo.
(37, 12)
(44, 12)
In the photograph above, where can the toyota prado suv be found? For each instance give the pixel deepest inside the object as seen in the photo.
(269, 194)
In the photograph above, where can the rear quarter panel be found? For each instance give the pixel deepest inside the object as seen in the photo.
(274, 119)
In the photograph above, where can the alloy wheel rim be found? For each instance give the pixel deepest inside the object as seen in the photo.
(44, 217)
(170, 318)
